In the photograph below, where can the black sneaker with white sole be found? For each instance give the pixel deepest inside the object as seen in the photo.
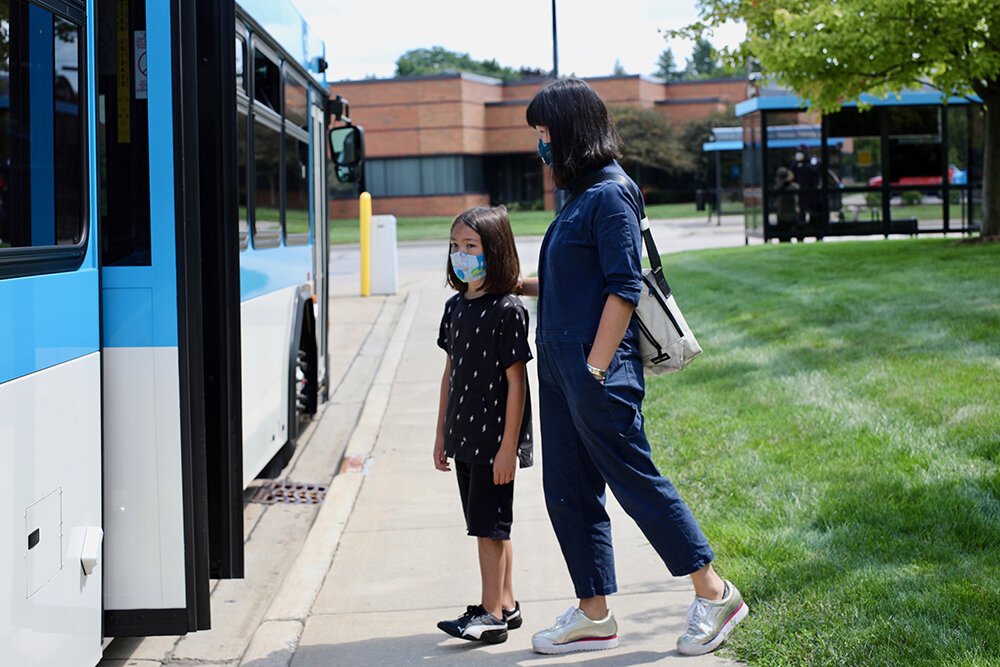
(513, 616)
(476, 625)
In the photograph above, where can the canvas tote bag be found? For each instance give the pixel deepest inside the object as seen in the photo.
(666, 342)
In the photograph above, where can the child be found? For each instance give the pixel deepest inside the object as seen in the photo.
(484, 415)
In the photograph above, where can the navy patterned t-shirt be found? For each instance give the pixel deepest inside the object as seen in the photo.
(483, 337)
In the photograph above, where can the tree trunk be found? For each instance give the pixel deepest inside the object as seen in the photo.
(991, 164)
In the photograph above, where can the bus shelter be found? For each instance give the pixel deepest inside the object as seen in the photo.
(909, 164)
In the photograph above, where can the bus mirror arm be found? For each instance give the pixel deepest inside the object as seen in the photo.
(339, 109)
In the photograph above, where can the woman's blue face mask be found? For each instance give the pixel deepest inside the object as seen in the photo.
(545, 151)
(468, 268)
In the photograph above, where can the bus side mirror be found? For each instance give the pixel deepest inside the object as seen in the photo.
(347, 146)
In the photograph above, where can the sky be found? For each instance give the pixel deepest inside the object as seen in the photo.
(365, 37)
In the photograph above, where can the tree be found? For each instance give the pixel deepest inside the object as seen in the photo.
(439, 60)
(648, 141)
(666, 66)
(619, 68)
(830, 51)
(703, 63)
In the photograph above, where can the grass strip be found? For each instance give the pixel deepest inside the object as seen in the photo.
(839, 441)
(524, 223)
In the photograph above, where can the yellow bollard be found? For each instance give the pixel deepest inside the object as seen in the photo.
(365, 214)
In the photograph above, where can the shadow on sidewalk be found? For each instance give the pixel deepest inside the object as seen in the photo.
(426, 649)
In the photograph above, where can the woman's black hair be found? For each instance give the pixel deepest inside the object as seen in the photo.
(581, 133)
(503, 267)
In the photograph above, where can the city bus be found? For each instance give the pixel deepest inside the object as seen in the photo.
(163, 301)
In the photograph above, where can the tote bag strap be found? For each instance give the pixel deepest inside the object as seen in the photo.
(655, 265)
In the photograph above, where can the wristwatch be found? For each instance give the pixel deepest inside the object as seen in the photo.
(599, 374)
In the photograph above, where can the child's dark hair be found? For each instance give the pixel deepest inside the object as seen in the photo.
(503, 268)
(582, 135)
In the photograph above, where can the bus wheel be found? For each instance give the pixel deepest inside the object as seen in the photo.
(305, 383)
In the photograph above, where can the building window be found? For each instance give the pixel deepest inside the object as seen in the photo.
(424, 176)
(42, 141)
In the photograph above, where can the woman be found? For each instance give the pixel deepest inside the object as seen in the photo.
(591, 387)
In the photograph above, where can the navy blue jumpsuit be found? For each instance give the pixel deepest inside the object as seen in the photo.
(592, 434)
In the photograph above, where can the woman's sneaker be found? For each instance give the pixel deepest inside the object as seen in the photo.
(573, 631)
(513, 616)
(711, 621)
(476, 624)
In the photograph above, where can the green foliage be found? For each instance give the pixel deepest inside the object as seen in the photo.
(912, 198)
(666, 66)
(619, 69)
(703, 63)
(830, 51)
(439, 60)
(840, 447)
(649, 140)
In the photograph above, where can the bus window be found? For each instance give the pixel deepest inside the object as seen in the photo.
(296, 191)
(241, 56)
(123, 139)
(296, 103)
(266, 81)
(241, 178)
(267, 186)
(42, 142)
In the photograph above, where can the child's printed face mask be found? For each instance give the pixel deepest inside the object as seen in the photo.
(468, 268)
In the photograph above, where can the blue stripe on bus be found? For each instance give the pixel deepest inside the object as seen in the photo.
(56, 321)
(266, 271)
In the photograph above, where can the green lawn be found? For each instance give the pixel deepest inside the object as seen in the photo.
(524, 223)
(839, 440)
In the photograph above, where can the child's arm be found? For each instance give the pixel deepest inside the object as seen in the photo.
(505, 462)
(440, 460)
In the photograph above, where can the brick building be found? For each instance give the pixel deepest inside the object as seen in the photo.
(438, 144)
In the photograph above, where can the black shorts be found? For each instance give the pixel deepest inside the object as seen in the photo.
(488, 508)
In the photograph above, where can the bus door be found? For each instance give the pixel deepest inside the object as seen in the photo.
(172, 484)
(50, 369)
(322, 241)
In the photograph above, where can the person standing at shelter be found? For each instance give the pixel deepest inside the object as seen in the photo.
(484, 414)
(591, 387)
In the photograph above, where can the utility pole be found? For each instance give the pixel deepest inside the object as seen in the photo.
(555, 44)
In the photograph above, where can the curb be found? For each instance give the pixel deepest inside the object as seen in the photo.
(276, 638)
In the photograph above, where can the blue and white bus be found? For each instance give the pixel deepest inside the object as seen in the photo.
(163, 301)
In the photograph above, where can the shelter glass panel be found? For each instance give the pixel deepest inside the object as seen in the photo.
(977, 142)
(914, 210)
(854, 147)
(752, 165)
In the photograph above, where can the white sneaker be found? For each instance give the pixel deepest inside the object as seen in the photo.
(574, 631)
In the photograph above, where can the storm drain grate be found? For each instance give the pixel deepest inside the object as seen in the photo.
(294, 493)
